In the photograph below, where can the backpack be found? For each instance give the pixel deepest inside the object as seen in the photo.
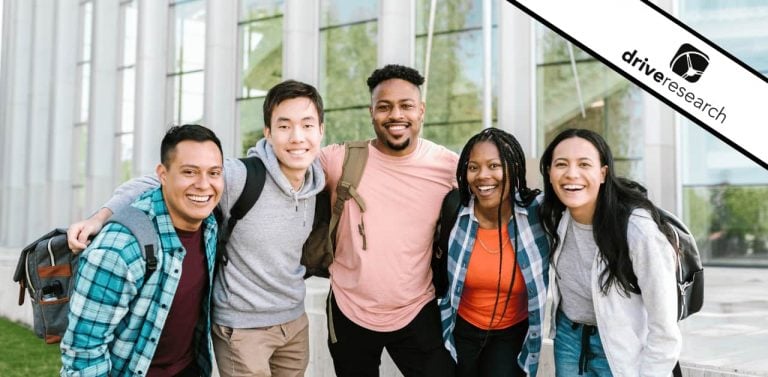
(449, 212)
(317, 252)
(690, 273)
(46, 269)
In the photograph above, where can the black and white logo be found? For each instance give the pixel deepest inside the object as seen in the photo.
(689, 62)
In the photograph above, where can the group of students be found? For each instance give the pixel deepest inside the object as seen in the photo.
(598, 233)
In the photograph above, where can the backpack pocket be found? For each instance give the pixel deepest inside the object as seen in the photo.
(52, 299)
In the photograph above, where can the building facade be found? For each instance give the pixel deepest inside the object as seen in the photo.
(88, 88)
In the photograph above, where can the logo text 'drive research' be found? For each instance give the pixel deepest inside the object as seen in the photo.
(688, 63)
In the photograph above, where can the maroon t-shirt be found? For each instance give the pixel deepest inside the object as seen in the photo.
(175, 351)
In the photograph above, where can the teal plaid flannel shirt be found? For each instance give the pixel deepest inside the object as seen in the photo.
(116, 317)
(533, 258)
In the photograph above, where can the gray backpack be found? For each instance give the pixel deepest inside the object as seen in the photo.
(46, 269)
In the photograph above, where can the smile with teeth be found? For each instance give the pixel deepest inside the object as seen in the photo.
(573, 187)
(298, 152)
(200, 198)
(396, 127)
(485, 189)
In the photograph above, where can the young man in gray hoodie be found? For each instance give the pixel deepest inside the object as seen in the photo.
(259, 326)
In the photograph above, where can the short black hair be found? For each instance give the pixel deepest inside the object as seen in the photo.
(177, 134)
(290, 89)
(394, 71)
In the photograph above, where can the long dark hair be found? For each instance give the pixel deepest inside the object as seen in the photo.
(616, 200)
(513, 170)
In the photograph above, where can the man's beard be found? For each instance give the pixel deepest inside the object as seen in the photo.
(399, 147)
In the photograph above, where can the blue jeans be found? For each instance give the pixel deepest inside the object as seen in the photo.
(568, 350)
(488, 353)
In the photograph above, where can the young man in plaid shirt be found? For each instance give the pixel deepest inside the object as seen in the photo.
(125, 322)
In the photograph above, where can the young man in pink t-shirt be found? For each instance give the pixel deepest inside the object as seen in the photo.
(381, 290)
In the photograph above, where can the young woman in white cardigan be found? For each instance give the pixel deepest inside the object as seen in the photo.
(613, 269)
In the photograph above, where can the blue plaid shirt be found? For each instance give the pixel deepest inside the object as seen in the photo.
(533, 258)
(115, 316)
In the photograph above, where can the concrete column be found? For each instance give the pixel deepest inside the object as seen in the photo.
(397, 32)
(36, 160)
(301, 40)
(221, 72)
(103, 115)
(517, 85)
(63, 99)
(151, 59)
(18, 58)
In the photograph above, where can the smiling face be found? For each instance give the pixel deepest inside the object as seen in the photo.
(576, 174)
(485, 176)
(192, 182)
(397, 113)
(295, 134)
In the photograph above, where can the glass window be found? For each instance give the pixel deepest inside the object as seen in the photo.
(80, 127)
(187, 90)
(185, 73)
(348, 32)
(261, 49)
(725, 195)
(126, 74)
(251, 121)
(611, 105)
(455, 86)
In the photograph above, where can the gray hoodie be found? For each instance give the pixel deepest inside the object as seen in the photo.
(262, 285)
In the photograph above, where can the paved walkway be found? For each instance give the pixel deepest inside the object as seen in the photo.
(731, 331)
(729, 337)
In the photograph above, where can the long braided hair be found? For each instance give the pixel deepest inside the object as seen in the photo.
(513, 171)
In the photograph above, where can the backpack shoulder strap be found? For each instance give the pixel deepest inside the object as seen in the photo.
(355, 158)
(256, 175)
(449, 212)
(143, 229)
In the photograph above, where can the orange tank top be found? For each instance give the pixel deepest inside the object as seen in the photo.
(482, 282)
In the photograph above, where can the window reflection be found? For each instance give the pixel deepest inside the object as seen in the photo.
(455, 97)
(127, 78)
(251, 121)
(725, 195)
(188, 37)
(347, 57)
(80, 128)
(186, 76)
(261, 62)
(187, 89)
(612, 106)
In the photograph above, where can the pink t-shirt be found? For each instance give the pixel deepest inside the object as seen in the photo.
(383, 287)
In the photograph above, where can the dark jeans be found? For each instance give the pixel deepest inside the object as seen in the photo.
(417, 349)
(488, 353)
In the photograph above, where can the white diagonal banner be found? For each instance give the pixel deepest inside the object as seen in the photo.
(669, 60)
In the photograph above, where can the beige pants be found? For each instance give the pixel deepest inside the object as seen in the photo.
(279, 351)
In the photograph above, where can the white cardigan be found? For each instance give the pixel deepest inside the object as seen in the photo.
(639, 333)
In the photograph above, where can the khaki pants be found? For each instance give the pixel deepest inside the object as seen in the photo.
(279, 351)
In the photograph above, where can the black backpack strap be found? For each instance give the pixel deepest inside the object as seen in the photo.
(142, 227)
(449, 212)
(256, 175)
